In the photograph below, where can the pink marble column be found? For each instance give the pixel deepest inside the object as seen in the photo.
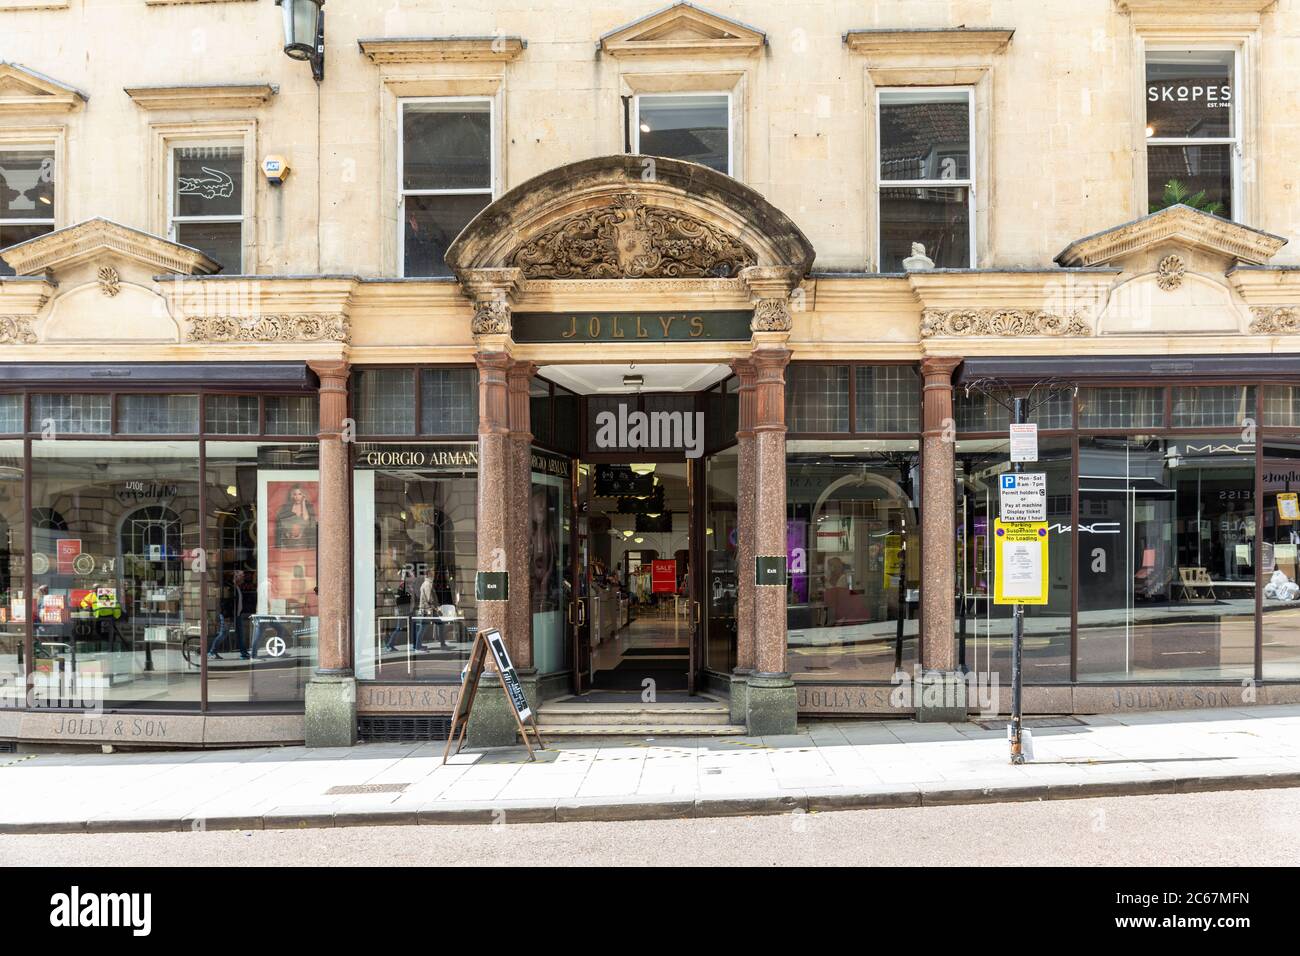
(519, 530)
(745, 479)
(494, 456)
(769, 505)
(334, 524)
(938, 523)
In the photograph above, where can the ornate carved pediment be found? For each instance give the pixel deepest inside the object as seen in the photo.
(629, 239)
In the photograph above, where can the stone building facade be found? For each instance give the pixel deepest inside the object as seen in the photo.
(846, 234)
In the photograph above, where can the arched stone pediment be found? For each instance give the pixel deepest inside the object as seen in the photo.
(630, 217)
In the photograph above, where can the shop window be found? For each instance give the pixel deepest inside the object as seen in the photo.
(853, 549)
(1281, 405)
(887, 398)
(539, 410)
(11, 414)
(12, 566)
(1166, 554)
(1121, 408)
(206, 201)
(449, 401)
(414, 585)
(817, 398)
(721, 540)
(292, 415)
(117, 608)
(263, 600)
(983, 628)
(158, 414)
(27, 176)
(548, 523)
(982, 412)
(926, 176)
(1211, 406)
(1192, 132)
(1279, 563)
(70, 414)
(446, 172)
(385, 401)
(695, 127)
(231, 415)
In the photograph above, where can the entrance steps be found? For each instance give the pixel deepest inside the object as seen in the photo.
(573, 717)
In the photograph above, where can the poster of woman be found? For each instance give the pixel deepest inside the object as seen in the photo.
(290, 505)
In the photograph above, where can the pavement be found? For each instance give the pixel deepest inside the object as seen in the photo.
(832, 765)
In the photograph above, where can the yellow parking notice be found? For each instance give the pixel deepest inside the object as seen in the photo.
(1020, 562)
(1288, 506)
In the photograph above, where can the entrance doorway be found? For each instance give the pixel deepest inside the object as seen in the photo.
(649, 587)
(635, 573)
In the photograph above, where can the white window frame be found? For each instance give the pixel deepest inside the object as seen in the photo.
(403, 192)
(53, 148)
(971, 160)
(731, 119)
(173, 219)
(1238, 118)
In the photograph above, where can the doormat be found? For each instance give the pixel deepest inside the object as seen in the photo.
(682, 652)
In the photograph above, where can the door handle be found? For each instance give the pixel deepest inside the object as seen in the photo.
(582, 613)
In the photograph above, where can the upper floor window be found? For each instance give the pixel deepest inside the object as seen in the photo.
(1193, 130)
(692, 126)
(206, 201)
(446, 168)
(927, 170)
(26, 196)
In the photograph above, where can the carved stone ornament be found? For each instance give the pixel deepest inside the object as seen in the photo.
(630, 240)
(1275, 320)
(771, 315)
(16, 330)
(1006, 322)
(110, 283)
(491, 317)
(1170, 272)
(295, 327)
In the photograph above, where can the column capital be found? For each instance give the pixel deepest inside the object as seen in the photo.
(769, 288)
(769, 388)
(493, 293)
(744, 369)
(519, 378)
(333, 395)
(939, 367)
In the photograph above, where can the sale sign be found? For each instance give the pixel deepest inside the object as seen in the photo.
(67, 552)
(663, 576)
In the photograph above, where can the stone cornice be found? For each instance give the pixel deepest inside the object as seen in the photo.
(24, 296)
(73, 244)
(1178, 223)
(1193, 16)
(384, 50)
(683, 30)
(935, 42)
(206, 95)
(26, 91)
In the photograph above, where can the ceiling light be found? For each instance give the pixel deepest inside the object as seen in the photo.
(1151, 131)
(633, 381)
(645, 127)
(644, 469)
(638, 540)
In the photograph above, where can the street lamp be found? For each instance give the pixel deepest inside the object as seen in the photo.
(304, 33)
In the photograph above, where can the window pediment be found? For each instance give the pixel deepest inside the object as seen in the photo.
(683, 30)
(26, 91)
(94, 238)
(1123, 245)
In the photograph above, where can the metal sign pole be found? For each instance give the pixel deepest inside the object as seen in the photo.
(1017, 628)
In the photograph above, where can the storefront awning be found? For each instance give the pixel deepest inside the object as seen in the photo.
(1131, 368)
(281, 376)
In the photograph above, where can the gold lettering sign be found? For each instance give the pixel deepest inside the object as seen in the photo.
(720, 326)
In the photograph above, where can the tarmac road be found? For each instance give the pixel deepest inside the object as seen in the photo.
(1247, 828)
